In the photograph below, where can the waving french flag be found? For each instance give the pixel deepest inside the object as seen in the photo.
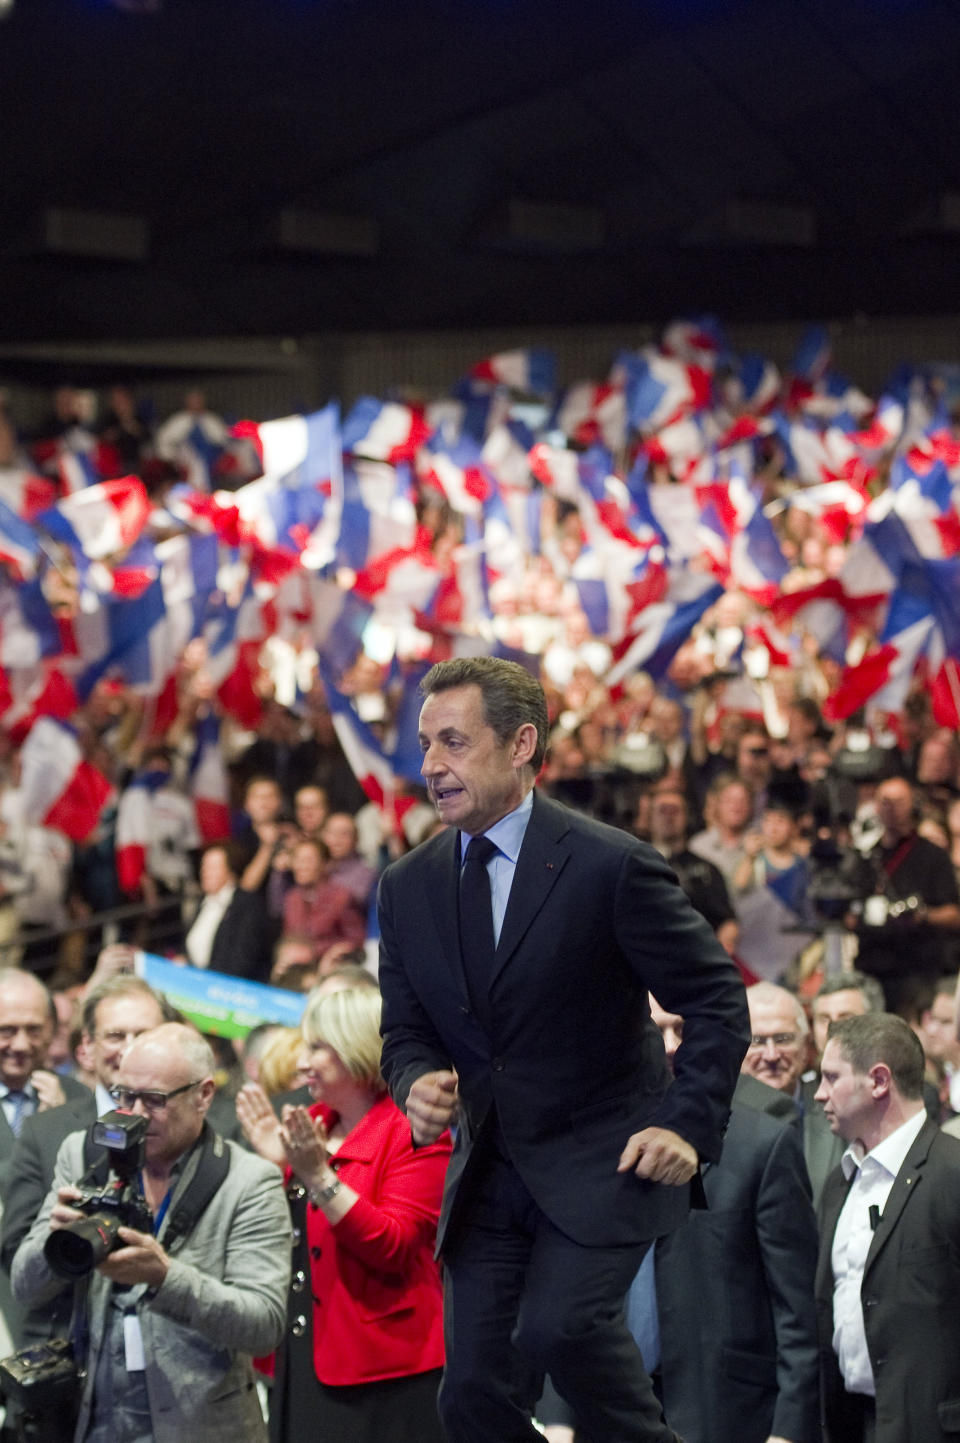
(102, 519)
(60, 788)
(532, 372)
(663, 626)
(660, 389)
(209, 785)
(384, 431)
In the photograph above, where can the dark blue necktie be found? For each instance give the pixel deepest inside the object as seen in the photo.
(477, 944)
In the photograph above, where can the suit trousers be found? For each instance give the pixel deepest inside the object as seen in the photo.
(523, 1300)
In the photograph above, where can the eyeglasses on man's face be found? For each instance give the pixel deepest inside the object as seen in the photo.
(127, 1097)
(779, 1039)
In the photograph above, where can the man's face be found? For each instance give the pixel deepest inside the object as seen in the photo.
(214, 871)
(306, 865)
(778, 828)
(118, 1021)
(26, 1031)
(670, 1027)
(753, 760)
(938, 1029)
(894, 803)
(668, 819)
(340, 835)
(262, 802)
(846, 1095)
(777, 1053)
(835, 1007)
(175, 1126)
(472, 778)
(733, 807)
(310, 809)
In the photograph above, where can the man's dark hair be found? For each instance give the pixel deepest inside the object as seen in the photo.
(882, 1037)
(946, 987)
(855, 982)
(511, 696)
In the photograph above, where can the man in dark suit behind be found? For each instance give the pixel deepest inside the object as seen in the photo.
(888, 1276)
(734, 1287)
(28, 1021)
(572, 1153)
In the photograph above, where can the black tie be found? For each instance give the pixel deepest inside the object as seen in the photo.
(477, 944)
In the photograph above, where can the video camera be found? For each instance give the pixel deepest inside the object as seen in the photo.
(75, 1250)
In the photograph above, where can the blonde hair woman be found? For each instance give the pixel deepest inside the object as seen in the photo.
(364, 1348)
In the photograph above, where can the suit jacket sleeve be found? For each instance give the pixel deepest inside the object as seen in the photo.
(24, 1193)
(388, 1233)
(411, 1045)
(678, 958)
(787, 1235)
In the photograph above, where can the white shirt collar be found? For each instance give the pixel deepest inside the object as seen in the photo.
(507, 834)
(888, 1154)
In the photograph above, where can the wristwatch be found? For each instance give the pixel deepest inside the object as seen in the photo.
(325, 1194)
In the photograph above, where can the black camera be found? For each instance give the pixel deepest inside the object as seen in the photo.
(42, 1384)
(75, 1250)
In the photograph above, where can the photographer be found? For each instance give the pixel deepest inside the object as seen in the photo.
(911, 916)
(166, 1324)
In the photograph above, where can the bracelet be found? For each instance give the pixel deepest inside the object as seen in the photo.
(326, 1194)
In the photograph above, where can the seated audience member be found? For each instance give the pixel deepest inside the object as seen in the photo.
(263, 833)
(729, 808)
(231, 931)
(347, 868)
(317, 908)
(114, 1014)
(192, 1300)
(364, 1363)
(311, 811)
(703, 883)
(252, 1048)
(296, 964)
(888, 1275)
(280, 1063)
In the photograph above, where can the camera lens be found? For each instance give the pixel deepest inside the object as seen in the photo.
(75, 1250)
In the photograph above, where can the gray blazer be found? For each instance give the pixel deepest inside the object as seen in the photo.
(222, 1302)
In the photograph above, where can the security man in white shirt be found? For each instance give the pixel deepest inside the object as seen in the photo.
(888, 1277)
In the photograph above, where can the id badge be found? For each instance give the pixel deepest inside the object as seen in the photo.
(133, 1344)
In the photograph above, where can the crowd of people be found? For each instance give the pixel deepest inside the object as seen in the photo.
(818, 864)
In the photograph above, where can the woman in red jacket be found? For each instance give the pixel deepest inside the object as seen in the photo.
(362, 1364)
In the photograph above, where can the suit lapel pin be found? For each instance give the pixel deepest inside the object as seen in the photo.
(549, 866)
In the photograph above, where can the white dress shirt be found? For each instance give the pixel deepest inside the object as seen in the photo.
(507, 835)
(876, 1172)
(198, 943)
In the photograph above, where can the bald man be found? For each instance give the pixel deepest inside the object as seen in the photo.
(174, 1315)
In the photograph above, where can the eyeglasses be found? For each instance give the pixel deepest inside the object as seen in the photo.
(126, 1097)
(779, 1039)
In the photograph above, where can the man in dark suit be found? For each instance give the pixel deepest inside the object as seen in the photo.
(888, 1275)
(28, 1021)
(734, 1288)
(534, 1036)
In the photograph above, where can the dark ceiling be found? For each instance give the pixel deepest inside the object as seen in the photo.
(504, 162)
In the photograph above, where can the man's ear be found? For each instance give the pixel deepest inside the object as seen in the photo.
(880, 1079)
(524, 744)
(205, 1093)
